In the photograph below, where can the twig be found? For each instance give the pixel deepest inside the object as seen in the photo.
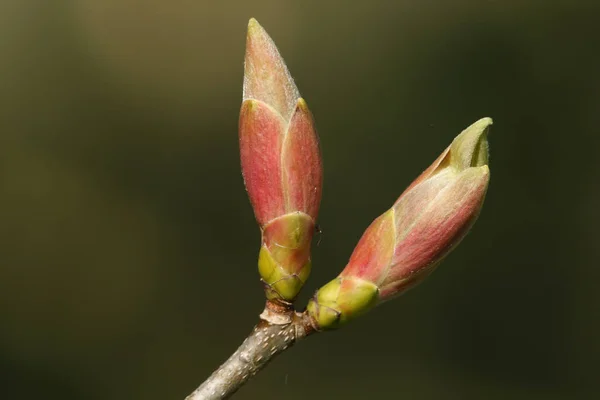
(280, 327)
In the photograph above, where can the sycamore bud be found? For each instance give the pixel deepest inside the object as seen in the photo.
(281, 165)
(404, 245)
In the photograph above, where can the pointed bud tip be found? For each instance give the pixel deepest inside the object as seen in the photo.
(254, 26)
(266, 77)
(470, 148)
(483, 123)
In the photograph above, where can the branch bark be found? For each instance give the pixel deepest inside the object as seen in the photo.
(279, 328)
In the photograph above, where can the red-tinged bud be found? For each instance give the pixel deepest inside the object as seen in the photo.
(281, 165)
(405, 244)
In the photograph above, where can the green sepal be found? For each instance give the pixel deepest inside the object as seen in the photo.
(279, 283)
(341, 300)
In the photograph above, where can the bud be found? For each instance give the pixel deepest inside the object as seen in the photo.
(281, 165)
(405, 244)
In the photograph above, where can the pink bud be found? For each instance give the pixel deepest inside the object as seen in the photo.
(408, 241)
(281, 164)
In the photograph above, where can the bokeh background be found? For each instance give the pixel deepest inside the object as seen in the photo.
(128, 246)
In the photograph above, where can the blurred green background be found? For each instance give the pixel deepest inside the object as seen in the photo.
(128, 246)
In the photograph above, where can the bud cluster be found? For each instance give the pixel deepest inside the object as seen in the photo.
(283, 174)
